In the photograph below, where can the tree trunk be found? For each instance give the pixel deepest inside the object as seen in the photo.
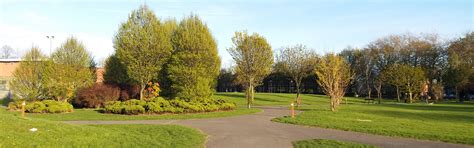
(410, 96)
(333, 104)
(398, 94)
(298, 100)
(249, 95)
(142, 88)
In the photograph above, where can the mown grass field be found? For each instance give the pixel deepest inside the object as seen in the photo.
(324, 143)
(448, 122)
(15, 132)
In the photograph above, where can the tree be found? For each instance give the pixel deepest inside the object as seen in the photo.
(460, 63)
(70, 70)
(254, 58)
(72, 53)
(7, 52)
(392, 76)
(115, 71)
(297, 63)
(412, 79)
(143, 46)
(334, 76)
(194, 64)
(28, 79)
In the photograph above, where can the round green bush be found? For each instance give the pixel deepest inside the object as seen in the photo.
(35, 107)
(133, 109)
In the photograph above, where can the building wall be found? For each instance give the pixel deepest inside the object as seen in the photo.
(6, 73)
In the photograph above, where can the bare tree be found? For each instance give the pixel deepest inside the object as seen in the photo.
(7, 52)
(297, 62)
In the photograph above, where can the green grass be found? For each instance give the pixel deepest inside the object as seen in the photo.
(15, 133)
(91, 114)
(448, 122)
(324, 143)
(269, 99)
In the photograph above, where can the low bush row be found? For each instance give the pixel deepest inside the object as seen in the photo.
(159, 105)
(45, 106)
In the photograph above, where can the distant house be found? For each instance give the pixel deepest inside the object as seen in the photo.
(8, 66)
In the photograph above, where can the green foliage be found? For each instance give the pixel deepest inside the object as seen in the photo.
(194, 65)
(69, 72)
(324, 143)
(115, 71)
(334, 75)
(143, 46)
(29, 78)
(72, 53)
(159, 105)
(253, 57)
(35, 107)
(45, 106)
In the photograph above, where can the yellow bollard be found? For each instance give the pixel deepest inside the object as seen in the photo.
(23, 104)
(292, 109)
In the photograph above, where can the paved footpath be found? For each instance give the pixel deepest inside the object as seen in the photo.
(256, 130)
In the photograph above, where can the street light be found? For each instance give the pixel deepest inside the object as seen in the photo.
(50, 37)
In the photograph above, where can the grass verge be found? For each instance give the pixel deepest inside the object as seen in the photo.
(324, 143)
(15, 132)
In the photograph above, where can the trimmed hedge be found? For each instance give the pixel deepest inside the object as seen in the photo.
(96, 96)
(45, 106)
(159, 105)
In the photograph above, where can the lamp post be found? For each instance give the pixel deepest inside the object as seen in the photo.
(50, 37)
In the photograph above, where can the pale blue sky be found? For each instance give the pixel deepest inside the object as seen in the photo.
(325, 25)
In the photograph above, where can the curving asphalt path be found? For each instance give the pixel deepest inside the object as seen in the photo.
(256, 130)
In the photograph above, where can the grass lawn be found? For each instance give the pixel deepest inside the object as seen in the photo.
(324, 143)
(15, 132)
(448, 122)
(91, 114)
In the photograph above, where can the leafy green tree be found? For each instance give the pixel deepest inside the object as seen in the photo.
(334, 75)
(460, 71)
(392, 76)
(28, 79)
(72, 53)
(143, 46)
(115, 71)
(254, 58)
(194, 64)
(296, 62)
(412, 79)
(70, 70)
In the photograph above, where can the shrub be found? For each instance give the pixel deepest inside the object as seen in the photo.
(57, 106)
(96, 96)
(160, 105)
(115, 107)
(133, 109)
(35, 107)
(15, 105)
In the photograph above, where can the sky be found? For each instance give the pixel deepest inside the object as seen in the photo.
(322, 25)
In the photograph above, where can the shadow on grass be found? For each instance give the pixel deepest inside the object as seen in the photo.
(424, 116)
(426, 107)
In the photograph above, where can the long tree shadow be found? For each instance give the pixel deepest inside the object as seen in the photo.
(469, 108)
(425, 116)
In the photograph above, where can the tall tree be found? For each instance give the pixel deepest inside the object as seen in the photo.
(194, 64)
(115, 71)
(254, 58)
(70, 71)
(297, 63)
(334, 75)
(28, 79)
(412, 78)
(461, 63)
(143, 46)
